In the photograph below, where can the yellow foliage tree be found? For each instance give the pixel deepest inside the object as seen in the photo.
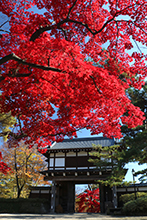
(25, 165)
(7, 122)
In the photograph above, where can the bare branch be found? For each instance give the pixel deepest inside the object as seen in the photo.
(12, 56)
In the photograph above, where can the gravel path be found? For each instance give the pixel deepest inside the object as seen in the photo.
(75, 216)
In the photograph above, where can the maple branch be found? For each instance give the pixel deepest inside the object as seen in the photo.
(89, 29)
(12, 134)
(12, 56)
(95, 84)
(137, 46)
(64, 31)
(5, 31)
(4, 23)
(139, 27)
(116, 5)
(50, 83)
(66, 133)
(117, 37)
(133, 24)
(129, 6)
(71, 8)
(18, 136)
(39, 31)
(15, 75)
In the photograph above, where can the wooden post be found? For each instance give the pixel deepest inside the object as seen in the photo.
(102, 198)
(53, 197)
(114, 197)
(71, 197)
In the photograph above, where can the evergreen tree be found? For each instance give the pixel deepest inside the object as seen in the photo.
(132, 147)
(110, 159)
(135, 140)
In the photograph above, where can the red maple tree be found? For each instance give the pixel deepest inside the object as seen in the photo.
(88, 201)
(47, 80)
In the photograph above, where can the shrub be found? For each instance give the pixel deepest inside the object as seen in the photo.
(24, 205)
(131, 196)
(136, 207)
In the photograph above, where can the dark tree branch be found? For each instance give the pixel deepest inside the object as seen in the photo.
(70, 132)
(95, 84)
(15, 136)
(39, 31)
(12, 56)
(139, 27)
(50, 83)
(137, 46)
(64, 31)
(117, 37)
(133, 24)
(17, 75)
(4, 23)
(71, 8)
(89, 29)
(116, 5)
(5, 31)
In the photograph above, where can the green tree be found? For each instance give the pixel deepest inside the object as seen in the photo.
(25, 165)
(135, 140)
(110, 159)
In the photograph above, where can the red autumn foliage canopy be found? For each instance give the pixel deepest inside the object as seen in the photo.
(46, 80)
(88, 201)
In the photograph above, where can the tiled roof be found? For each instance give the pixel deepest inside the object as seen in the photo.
(81, 143)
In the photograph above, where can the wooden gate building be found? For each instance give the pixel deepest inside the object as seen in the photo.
(68, 165)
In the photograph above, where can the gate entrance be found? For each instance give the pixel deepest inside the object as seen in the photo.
(68, 165)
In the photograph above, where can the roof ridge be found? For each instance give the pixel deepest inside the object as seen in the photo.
(81, 143)
(86, 138)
